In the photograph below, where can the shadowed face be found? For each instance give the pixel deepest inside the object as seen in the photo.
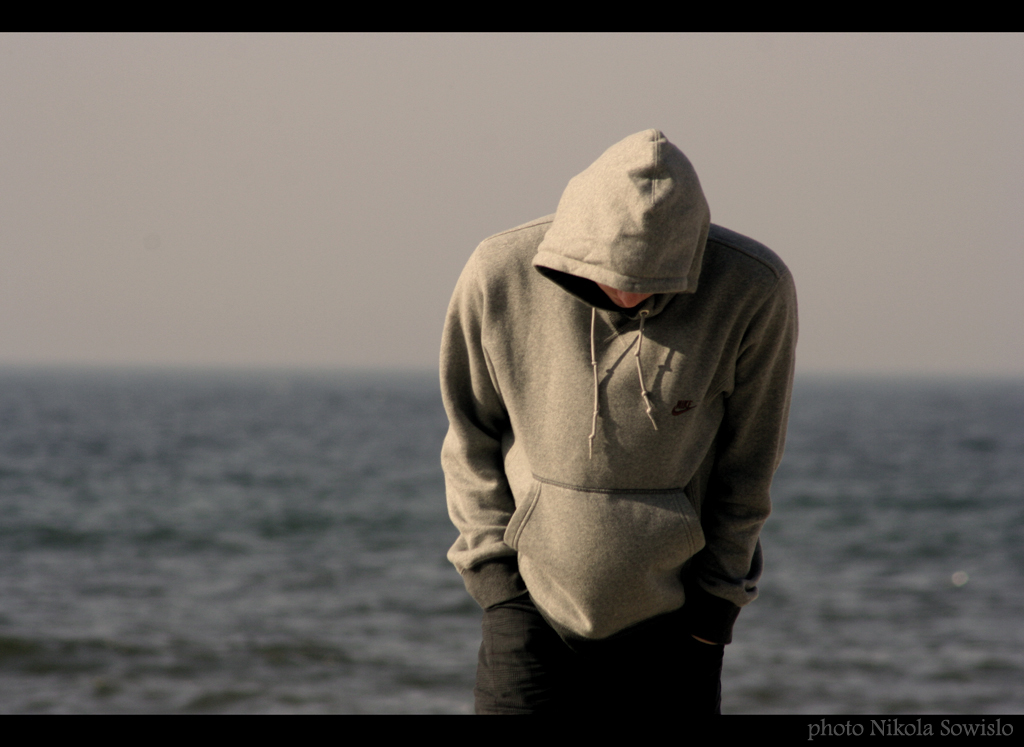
(623, 299)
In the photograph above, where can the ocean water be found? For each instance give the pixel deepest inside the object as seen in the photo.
(275, 543)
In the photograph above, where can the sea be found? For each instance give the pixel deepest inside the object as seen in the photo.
(274, 542)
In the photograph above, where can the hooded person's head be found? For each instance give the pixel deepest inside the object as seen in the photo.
(635, 220)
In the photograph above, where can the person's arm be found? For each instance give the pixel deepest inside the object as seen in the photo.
(723, 576)
(480, 501)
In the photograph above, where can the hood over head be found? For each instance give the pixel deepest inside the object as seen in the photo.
(635, 220)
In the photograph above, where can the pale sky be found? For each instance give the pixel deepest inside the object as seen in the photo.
(309, 200)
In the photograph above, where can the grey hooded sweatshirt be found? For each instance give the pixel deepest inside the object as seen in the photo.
(616, 463)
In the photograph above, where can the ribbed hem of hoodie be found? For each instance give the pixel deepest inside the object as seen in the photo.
(494, 582)
(707, 616)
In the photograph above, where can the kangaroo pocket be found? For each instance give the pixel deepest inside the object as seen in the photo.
(596, 562)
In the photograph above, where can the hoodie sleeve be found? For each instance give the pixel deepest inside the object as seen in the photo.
(723, 577)
(480, 501)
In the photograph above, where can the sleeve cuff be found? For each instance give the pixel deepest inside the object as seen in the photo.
(707, 616)
(495, 581)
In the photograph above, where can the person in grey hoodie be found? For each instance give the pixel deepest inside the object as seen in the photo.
(617, 380)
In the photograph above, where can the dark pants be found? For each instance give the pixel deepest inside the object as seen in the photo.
(655, 667)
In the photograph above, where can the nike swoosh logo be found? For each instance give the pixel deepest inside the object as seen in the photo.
(683, 405)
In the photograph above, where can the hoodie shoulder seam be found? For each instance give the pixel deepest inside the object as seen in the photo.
(523, 227)
(775, 270)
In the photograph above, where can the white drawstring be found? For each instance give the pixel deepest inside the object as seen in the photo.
(639, 370)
